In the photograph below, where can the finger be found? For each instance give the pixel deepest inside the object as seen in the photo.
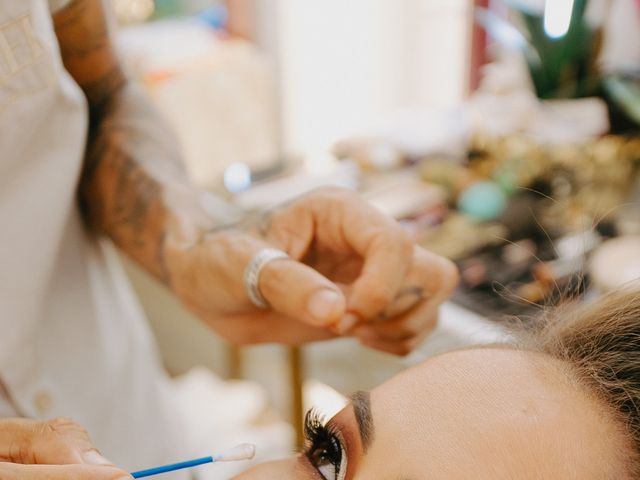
(341, 221)
(11, 471)
(405, 300)
(62, 438)
(300, 292)
(408, 301)
(399, 346)
(429, 277)
(268, 327)
(422, 320)
(394, 347)
(387, 258)
(291, 228)
(439, 279)
(58, 441)
(430, 281)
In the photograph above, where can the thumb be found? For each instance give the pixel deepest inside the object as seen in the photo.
(300, 292)
(12, 471)
(55, 442)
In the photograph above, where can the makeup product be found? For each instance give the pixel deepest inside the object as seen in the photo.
(245, 451)
(483, 201)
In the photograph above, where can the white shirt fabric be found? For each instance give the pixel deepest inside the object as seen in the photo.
(73, 339)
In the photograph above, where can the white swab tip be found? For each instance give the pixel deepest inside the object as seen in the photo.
(245, 451)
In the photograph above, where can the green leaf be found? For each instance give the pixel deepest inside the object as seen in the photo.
(564, 61)
(560, 67)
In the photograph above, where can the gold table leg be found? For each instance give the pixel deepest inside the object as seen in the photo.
(296, 366)
(234, 362)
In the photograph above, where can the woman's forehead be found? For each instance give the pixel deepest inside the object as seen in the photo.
(482, 409)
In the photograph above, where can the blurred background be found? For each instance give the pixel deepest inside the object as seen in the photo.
(504, 134)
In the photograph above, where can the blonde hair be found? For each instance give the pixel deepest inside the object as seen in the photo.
(600, 342)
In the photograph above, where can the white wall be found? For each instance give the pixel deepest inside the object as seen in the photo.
(347, 64)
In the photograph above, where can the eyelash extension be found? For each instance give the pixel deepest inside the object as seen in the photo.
(323, 443)
(315, 430)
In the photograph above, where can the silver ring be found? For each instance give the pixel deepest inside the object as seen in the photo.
(252, 274)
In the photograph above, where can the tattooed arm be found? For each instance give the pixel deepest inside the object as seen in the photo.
(133, 181)
(134, 190)
(351, 265)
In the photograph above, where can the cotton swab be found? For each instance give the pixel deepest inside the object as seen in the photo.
(245, 451)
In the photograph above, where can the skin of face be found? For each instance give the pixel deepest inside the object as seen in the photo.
(491, 413)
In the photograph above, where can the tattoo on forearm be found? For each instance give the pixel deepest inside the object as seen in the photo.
(135, 194)
(123, 200)
(133, 186)
(102, 91)
(130, 165)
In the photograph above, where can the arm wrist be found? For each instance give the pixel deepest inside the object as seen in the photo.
(210, 270)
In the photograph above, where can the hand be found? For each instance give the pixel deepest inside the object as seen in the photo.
(54, 450)
(352, 271)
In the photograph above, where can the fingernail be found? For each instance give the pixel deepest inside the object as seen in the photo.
(325, 305)
(347, 322)
(94, 458)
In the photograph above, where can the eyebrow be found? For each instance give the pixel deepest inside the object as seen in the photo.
(361, 402)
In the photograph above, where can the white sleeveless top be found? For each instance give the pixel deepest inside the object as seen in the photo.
(73, 339)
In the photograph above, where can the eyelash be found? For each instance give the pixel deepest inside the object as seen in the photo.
(319, 436)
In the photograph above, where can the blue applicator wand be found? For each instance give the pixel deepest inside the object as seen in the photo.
(246, 451)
